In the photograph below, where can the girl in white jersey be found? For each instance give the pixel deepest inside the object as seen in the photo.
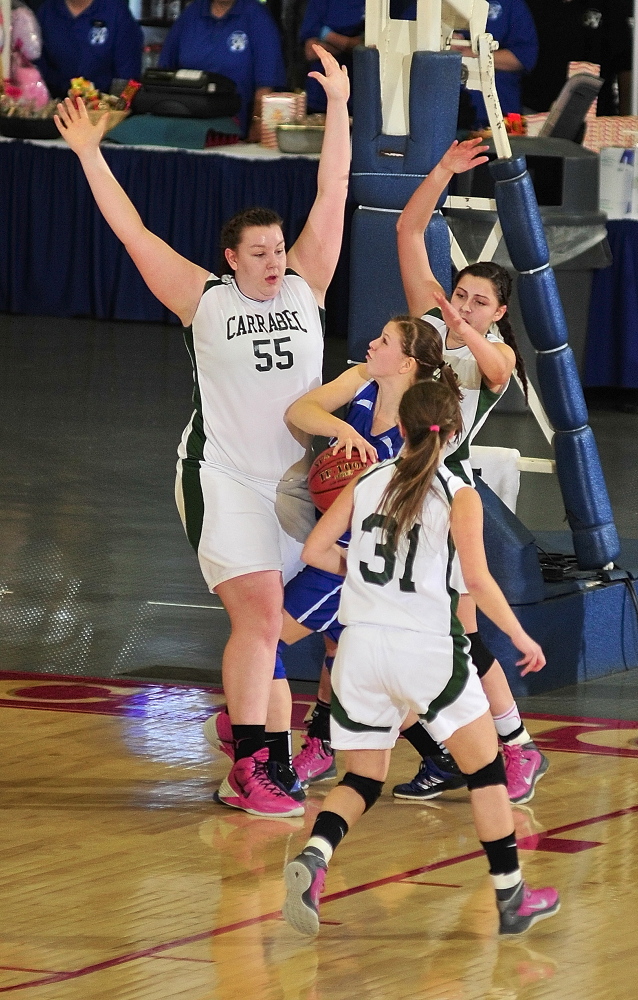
(404, 649)
(479, 344)
(256, 344)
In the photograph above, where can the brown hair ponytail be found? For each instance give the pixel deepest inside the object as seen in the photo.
(429, 413)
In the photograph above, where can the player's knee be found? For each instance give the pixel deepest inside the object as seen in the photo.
(482, 658)
(491, 774)
(368, 788)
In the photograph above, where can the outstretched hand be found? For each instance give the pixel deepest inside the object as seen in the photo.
(75, 126)
(334, 78)
(463, 156)
(451, 316)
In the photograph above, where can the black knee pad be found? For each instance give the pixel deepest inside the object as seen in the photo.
(491, 774)
(368, 788)
(481, 656)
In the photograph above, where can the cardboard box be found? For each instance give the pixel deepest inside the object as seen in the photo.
(279, 109)
(615, 130)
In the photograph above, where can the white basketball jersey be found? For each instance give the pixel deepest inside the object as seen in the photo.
(251, 360)
(478, 400)
(406, 586)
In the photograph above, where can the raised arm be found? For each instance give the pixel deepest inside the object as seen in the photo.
(177, 282)
(316, 252)
(496, 361)
(419, 283)
(314, 413)
(466, 523)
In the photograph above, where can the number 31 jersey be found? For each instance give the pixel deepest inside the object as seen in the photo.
(251, 360)
(407, 586)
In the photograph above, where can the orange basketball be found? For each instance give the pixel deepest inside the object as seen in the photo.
(330, 473)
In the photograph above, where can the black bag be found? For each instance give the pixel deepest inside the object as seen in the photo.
(186, 93)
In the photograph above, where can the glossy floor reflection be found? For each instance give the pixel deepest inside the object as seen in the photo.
(122, 879)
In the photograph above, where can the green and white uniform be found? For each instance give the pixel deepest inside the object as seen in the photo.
(251, 360)
(403, 646)
(478, 400)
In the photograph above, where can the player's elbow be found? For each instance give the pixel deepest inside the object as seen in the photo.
(477, 582)
(310, 553)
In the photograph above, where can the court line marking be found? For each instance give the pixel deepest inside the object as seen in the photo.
(155, 950)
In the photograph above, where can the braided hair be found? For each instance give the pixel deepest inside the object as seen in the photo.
(422, 342)
(501, 282)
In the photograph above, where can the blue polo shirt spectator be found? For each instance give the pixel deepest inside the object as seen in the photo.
(243, 45)
(337, 24)
(101, 42)
(511, 24)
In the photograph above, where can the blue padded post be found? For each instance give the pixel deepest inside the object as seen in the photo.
(588, 511)
(376, 290)
(578, 465)
(383, 183)
(557, 374)
(542, 309)
(515, 202)
(387, 169)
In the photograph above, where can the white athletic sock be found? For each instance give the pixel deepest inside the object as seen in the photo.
(322, 845)
(508, 723)
(509, 881)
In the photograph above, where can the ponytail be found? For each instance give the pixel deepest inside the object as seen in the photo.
(429, 413)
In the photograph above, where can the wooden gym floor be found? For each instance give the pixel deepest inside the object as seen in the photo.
(122, 879)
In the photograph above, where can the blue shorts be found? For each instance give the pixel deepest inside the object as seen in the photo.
(312, 599)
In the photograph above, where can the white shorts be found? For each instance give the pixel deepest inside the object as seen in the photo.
(231, 522)
(379, 674)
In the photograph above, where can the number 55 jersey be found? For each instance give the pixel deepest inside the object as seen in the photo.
(251, 360)
(404, 585)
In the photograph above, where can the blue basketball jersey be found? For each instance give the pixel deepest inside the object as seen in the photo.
(360, 415)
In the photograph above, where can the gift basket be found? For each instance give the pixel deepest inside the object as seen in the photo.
(26, 107)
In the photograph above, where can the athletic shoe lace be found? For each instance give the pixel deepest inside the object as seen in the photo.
(513, 761)
(309, 751)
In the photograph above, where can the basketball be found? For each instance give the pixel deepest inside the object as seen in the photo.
(330, 473)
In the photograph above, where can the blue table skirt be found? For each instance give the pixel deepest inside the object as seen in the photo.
(611, 357)
(59, 258)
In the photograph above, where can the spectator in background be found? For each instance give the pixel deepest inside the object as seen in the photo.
(237, 38)
(597, 32)
(97, 39)
(338, 26)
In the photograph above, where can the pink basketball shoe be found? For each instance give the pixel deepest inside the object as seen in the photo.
(219, 732)
(524, 765)
(526, 907)
(249, 787)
